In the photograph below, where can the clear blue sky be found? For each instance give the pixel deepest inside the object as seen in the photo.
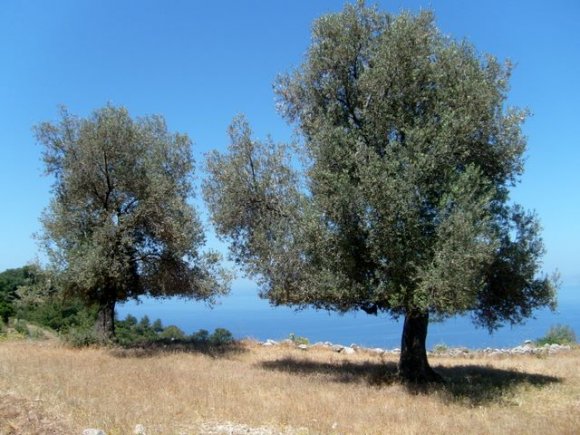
(199, 63)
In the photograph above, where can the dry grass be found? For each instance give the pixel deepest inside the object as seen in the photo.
(48, 388)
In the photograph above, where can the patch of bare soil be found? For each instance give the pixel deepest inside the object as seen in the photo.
(20, 416)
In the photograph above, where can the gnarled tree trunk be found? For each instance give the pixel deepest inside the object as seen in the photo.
(413, 364)
(105, 324)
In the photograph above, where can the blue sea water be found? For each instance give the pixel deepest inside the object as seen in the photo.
(245, 315)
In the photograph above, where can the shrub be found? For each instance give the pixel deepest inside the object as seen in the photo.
(58, 314)
(6, 308)
(21, 327)
(132, 332)
(80, 337)
(36, 333)
(144, 323)
(440, 348)
(10, 281)
(200, 337)
(131, 320)
(296, 339)
(157, 326)
(172, 332)
(221, 337)
(558, 334)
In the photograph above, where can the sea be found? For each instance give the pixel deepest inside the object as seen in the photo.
(247, 316)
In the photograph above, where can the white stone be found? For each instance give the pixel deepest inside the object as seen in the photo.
(139, 430)
(91, 431)
(302, 346)
(348, 350)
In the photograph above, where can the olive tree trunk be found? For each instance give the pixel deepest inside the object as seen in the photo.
(105, 324)
(413, 364)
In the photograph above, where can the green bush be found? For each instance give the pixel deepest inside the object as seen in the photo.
(36, 333)
(145, 323)
(200, 337)
(10, 281)
(297, 340)
(6, 308)
(157, 326)
(133, 332)
(130, 321)
(221, 337)
(21, 327)
(58, 314)
(172, 332)
(80, 337)
(440, 348)
(558, 334)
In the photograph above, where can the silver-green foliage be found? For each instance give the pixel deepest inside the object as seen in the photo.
(119, 224)
(253, 197)
(558, 334)
(410, 152)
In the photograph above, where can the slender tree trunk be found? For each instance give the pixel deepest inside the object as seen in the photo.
(105, 324)
(413, 364)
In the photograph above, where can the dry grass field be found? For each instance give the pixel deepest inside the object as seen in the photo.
(46, 388)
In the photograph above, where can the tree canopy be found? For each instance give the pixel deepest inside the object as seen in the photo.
(119, 224)
(402, 205)
(11, 281)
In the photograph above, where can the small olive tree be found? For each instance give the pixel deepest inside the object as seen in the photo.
(119, 224)
(403, 203)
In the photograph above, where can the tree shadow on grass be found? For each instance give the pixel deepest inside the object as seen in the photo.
(151, 348)
(470, 385)
(368, 372)
(478, 385)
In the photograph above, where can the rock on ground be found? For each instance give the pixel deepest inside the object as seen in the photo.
(228, 428)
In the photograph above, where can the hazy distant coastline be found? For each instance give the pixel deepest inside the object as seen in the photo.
(247, 316)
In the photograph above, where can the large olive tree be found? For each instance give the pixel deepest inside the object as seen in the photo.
(402, 205)
(119, 224)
